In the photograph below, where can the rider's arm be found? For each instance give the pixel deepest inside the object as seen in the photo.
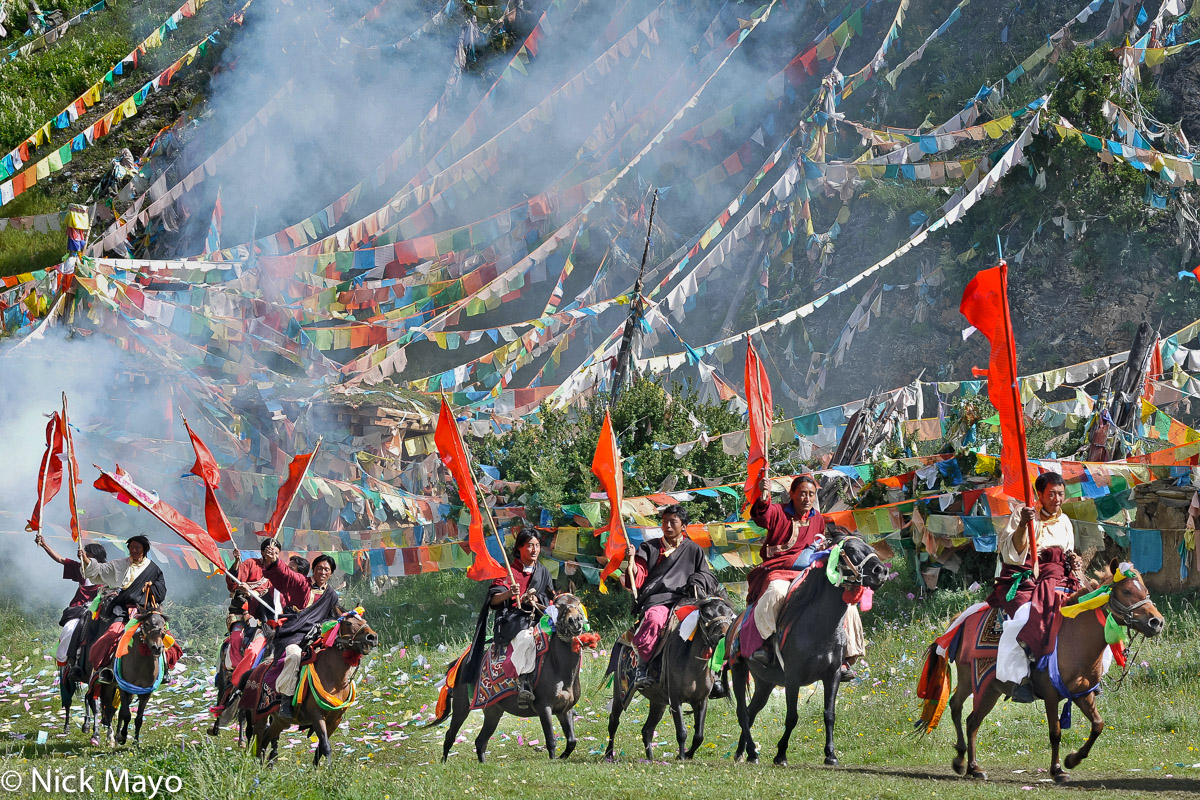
(499, 593)
(41, 542)
(1020, 537)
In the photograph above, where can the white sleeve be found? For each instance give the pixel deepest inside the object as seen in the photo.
(109, 573)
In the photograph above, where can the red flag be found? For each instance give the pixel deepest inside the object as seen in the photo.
(606, 465)
(454, 455)
(287, 492)
(207, 470)
(985, 305)
(120, 484)
(72, 474)
(50, 474)
(1154, 372)
(758, 397)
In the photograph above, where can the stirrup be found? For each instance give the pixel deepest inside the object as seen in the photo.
(106, 675)
(1023, 692)
(286, 708)
(761, 656)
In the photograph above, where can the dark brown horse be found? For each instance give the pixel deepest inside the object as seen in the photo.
(1079, 650)
(811, 646)
(137, 673)
(686, 677)
(556, 689)
(325, 690)
(68, 682)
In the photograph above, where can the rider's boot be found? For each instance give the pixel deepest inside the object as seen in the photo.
(525, 693)
(763, 654)
(286, 708)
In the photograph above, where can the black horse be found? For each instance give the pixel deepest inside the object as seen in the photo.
(69, 682)
(686, 677)
(136, 674)
(556, 690)
(812, 645)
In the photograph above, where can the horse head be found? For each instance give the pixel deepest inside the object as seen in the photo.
(570, 618)
(858, 562)
(1129, 600)
(716, 615)
(355, 634)
(152, 631)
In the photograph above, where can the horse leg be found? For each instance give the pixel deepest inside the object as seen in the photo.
(699, 712)
(831, 689)
(680, 728)
(547, 718)
(1055, 729)
(758, 701)
(123, 718)
(491, 718)
(959, 698)
(984, 703)
(459, 709)
(792, 694)
(567, 720)
(141, 713)
(614, 719)
(654, 716)
(323, 748)
(1087, 704)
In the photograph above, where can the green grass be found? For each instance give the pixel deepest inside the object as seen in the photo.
(1151, 745)
(24, 251)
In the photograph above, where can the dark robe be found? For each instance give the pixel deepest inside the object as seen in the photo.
(298, 628)
(511, 619)
(1043, 595)
(684, 573)
(135, 595)
(291, 585)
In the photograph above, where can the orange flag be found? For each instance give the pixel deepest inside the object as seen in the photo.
(985, 305)
(206, 469)
(758, 398)
(119, 483)
(454, 455)
(606, 466)
(72, 473)
(288, 491)
(1154, 372)
(50, 473)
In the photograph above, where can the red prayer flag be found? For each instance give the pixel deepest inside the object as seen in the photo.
(120, 484)
(606, 466)
(985, 305)
(454, 455)
(50, 473)
(72, 474)
(758, 398)
(287, 492)
(206, 469)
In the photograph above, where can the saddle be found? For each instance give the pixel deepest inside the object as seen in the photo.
(498, 680)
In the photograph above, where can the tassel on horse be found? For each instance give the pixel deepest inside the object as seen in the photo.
(934, 689)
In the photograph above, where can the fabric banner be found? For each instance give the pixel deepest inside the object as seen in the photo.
(51, 471)
(606, 466)
(454, 456)
(758, 398)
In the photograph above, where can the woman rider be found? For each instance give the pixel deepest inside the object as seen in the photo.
(664, 571)
(518, 609)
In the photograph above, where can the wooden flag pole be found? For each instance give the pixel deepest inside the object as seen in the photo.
(69, 457)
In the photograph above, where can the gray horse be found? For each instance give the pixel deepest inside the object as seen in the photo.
(812, 648)
(685, 678)
(136, 674)
(556, 690)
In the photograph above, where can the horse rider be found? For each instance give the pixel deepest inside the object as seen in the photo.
(140, 585)
(665, 571)
(518, 609)
(322, 571)
(1030, 601)
(85, 592)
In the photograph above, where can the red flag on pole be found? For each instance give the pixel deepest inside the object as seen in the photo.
(606, 466)
(985, 305)
(206, 469)
(288, 490)
(454, 455)
(1154, 372)
(50, 473)
(120, 484)
(758, 398)
(73, 479)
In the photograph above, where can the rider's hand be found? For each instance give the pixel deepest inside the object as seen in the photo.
(39, 540)
(1026, 515)
(764, 488)
(629, 552)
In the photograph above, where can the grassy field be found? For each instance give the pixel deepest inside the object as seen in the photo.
(1151, 745)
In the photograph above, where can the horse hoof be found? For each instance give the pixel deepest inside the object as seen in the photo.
(977, 774)
(1072, 761)
(831, 761)
(1061, 777)
(960, 767)
(752, 759)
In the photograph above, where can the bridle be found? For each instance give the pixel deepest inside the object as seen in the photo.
(844, 564)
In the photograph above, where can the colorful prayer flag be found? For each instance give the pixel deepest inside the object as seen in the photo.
(50, 473)
(206, 469)
(453, 453)
(213, 242)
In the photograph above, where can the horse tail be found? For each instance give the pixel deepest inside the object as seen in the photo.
(445, 701)
(934, 689)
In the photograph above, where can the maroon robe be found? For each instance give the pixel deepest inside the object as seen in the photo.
(786, 537)
(1043, 595)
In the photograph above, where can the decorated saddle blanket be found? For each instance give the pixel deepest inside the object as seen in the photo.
(498, 678)
(259, 694)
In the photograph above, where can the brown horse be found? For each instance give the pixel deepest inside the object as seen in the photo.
(556, 688)
(1079, 649)
(327, 685)
(137, 673)
(686, 677)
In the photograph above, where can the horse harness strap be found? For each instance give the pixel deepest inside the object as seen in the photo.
(325, 700)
